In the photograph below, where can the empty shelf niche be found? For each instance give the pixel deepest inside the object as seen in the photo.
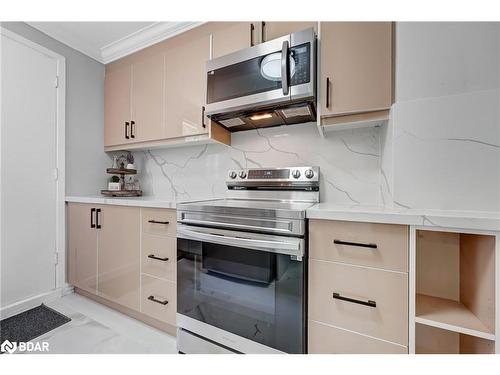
(431, 340)
(456, 284)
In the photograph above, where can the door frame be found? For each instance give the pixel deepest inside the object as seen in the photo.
(59, 172)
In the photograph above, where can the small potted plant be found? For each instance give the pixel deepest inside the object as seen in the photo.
(114, 183)
(130, 161)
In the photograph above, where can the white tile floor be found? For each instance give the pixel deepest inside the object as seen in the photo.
(95, 328)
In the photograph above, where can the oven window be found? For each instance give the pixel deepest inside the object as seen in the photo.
(254, 294)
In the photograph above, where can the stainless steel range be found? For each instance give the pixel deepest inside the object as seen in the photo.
(242, 264)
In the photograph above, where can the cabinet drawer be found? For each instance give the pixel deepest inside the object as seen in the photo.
(387, 290)
(375, 245)
(324, 339)
(159, 256)
(154, 293)
(159, 221)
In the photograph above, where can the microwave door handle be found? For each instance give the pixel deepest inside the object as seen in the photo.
(284, 67)
(266, 245)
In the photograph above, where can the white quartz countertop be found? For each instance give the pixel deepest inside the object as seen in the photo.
(133, 201)
(476, 220)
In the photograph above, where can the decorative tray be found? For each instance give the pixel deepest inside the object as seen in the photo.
(121, 171)
(121, 193)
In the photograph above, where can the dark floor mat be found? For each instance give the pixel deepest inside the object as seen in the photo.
(30, 324)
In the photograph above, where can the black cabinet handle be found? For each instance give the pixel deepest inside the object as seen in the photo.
(203, 116)
(132, 123)
(358, 244)
(152, 298)
(126, 130)
(158, 222)
(327, 92)
(152, 256)
(262, 30)
(97, 212)
(92, 211)
(252, 28)
(368, 303)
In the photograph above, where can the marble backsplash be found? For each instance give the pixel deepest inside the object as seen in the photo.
(349, 162)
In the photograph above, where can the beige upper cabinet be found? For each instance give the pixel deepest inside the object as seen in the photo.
(185, 88)
(117, 109)
(82, 247)
(133, 96)
(273, 30)
(119, 255)
(228, 37)
(148, 79)
(356, 67)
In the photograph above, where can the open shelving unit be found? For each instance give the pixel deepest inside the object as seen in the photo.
(455, 292)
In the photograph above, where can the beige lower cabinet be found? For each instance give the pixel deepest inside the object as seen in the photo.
(125, 257)
(159, 264)
(159, 298)
(368, 301)
(158, 256)
(326, 339)
(365, 244)
(82, 247)
(358, 295)
(117, 260)
(158, 221)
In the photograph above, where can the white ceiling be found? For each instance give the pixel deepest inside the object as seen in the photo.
(107, 41)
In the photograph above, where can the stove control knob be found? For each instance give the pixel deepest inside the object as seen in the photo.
(243, 174)
(296, 173)
(309, 173)
(232, 174)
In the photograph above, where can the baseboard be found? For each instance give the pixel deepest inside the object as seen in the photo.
(29, 303)
(67, 289)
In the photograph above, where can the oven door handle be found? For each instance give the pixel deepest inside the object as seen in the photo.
(234, 225)
(293, 247)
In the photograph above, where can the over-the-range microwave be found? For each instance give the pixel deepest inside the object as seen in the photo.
(273, 83)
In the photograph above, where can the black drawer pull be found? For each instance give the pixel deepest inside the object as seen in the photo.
(158, 222)
(252, 28)
(152, 298)
(368, 303)
(358, 244)
(203, 116)
(152, 256)
(132, 123)
(126, 130)
(97, 212)
(92, 212)
(327, 92)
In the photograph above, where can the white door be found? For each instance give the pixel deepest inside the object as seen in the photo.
(28, 162)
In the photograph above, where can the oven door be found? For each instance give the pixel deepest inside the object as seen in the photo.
(274, 72)
(249, 285)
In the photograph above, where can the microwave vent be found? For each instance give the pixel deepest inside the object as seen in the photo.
(236, 121)
(296, 111)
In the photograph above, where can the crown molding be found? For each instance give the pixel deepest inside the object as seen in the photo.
(144, 38)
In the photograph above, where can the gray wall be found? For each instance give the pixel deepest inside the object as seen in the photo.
(85, 158)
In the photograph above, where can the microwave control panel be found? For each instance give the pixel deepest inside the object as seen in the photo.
(302, 57)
